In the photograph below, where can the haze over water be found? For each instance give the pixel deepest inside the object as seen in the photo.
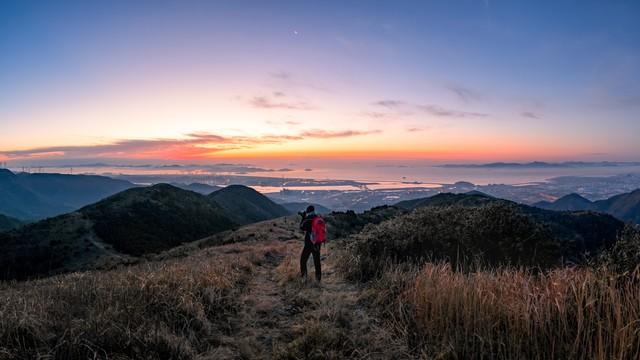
(389, 174)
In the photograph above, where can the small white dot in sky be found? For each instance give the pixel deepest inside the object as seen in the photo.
(295, 32)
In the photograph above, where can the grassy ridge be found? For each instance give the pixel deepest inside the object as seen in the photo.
(456, 283)
(164, 310)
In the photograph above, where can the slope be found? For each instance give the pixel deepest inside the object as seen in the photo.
(37, 196)
(8, 223)
(115, 230)
(245, 205)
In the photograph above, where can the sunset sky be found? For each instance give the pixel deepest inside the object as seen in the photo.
(257, 80)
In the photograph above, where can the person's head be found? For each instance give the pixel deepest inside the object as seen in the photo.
(310, 209)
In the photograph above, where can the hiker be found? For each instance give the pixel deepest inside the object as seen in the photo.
(313, 226)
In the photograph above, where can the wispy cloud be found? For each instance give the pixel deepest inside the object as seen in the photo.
(336, 134)
(390, 104)
(191, 146)
(264, 102)
(436, 110)
(465, 94)
(284, 122)
(530, 115)
(442, 112)
(417, 129)
(289, 80)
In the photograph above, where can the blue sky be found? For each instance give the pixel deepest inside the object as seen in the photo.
(441, 80)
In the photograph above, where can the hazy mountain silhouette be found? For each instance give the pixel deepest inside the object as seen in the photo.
(245, 205)
(8, 223)
(36, 196)
(117, 229)
(624, 206)
(571, 202)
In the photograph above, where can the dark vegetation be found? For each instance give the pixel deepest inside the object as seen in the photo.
(496, 233)
(343, 224)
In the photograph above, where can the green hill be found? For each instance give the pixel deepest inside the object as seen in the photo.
(244, 205)
(115, 230)
(152, 219)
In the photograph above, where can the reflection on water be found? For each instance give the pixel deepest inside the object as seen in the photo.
(382, 185)
(373, 176)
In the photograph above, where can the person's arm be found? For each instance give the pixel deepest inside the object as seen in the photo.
(302, 222)
(305, 225)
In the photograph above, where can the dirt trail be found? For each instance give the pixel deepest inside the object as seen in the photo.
(282, 316)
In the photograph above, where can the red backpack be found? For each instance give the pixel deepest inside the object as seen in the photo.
(317, 230)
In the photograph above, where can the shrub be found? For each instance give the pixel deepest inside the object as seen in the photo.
(494, 234)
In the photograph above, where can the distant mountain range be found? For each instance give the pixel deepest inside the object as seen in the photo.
(126, 226)
(542, 164)
(35, 196)
(624, 206)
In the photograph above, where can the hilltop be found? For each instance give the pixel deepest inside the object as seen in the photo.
(445, 199)
(245, 205)
(200, 188)
(115, 230)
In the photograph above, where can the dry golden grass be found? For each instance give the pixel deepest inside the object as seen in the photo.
(515, 314)
(173, 309)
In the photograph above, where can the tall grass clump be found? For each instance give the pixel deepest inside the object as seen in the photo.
(513, 314)
(164, 310)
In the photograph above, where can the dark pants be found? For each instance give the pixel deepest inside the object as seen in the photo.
(309, 249)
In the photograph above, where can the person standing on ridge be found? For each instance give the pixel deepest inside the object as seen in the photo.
(314, 236)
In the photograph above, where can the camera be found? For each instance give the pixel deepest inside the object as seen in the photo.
(303, 214)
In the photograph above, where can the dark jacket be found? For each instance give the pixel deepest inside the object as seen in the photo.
(305, 225)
